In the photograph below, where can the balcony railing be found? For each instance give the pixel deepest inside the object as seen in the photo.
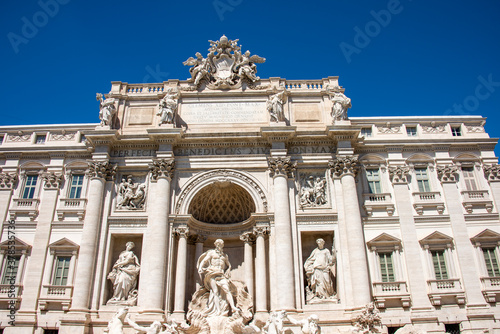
(75, 206)
(446, 289)
(428, 199)
(396, 291)
(55, 294)
(477, 199)
(382, 201)
(491, 288)
(7, 291)
(27, 206)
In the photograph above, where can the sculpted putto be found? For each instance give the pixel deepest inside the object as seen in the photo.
(107, 110)
(124, 277)
(225, 66)
(168, 107)
(320, 272)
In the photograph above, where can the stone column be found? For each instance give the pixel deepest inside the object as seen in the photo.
(464, 248)
(35, 267)
(7, 183)
(156, 237)
(248, 239)
(282, 168)
(181, 272)
(260, 269)
(346, 167)
(199, 240)
(417, 282)
(98, 172)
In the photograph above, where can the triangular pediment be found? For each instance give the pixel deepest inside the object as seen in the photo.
(63, 244)
(384, 241)
(16, 242)
(486, 237)
(437, 239)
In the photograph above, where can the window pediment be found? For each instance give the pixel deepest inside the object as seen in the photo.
(437, 240)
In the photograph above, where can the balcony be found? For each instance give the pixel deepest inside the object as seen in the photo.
(378, 202)
(430, 200)
(58, 295)
(71, 207)
(446, 291)
(477, 200)
(24, 206)
(388, 293)
(10, 292)
(491, 288)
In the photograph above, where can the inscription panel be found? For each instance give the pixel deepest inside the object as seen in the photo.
(229, 112)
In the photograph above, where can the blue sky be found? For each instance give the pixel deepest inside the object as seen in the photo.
(407, 57)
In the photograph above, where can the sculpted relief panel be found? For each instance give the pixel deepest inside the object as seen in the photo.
(131, 195)
(313, 190)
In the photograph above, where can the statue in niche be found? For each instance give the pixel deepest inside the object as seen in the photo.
(115, 325)
(130, 195)
(313, 191)
(275, 106)
(307, 326)
(320, 273)
(340, 105)
(220, 304)
(168, 106)
(107, 110)
(124, 277)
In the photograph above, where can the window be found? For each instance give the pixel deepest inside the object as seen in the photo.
(75, 190)
(386, 267)
(411, 131)
(373, 178)
(50, 331)
(11, 267)
(452, 328)
(455, 131)
(366, 132)
(469, 178)
(61, 270)
(30, 186)
(422, 179)
(40, 139)
(490, 258)
(439, 264)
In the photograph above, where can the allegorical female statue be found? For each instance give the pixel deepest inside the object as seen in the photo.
(124, 277)
(320, 271)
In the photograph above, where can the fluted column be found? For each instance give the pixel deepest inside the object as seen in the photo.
(181, 272)
(156, 237)
(260, 269)
(98, 172)
(248, 239)
(346, 168)
(281, 168)
(464, 248)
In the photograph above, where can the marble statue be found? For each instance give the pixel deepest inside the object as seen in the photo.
(225, 66)
(168, 106)
(107, 110)
(124, 277)
(369, 321)
(309, 325)
(154, 328)
(215, 273)
(275, 106)
(340, 105)
(274, 324)
(115, 326)
(220, 304)
(320, 272)
(312, 191)
(130, 195)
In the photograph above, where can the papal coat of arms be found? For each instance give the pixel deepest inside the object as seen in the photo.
(225, 66)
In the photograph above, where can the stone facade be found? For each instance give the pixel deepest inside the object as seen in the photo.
(406, 208)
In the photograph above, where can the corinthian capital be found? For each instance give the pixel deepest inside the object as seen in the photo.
(7, 180)
(282, 166)
(260, 231)
(399, 174)
(181, 231)
(247, 237)
(162, 168)
(447, 173)
(101, 169)
(492, 172)
(344, 165)
(52, 180)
